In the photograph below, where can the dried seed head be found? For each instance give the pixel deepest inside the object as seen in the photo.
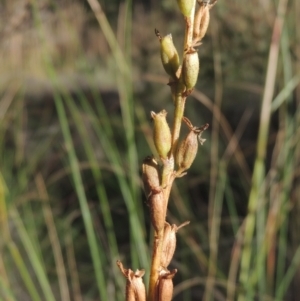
(165, 285)
(135, 288)
(157, 211)
(188, 148)
(190, 69)
(169, 243)
(169, 55)
(161, 134)
(186, 6)
(150, 176)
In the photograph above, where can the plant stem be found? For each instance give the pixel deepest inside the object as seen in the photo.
(178, 114)
(168, 174)
(155, 264)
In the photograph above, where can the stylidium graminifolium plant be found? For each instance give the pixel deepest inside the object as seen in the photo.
(174, 157)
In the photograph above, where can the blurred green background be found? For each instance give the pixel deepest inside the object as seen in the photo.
(77, 85)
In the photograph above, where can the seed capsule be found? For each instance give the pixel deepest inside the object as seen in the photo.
(190, 69)
(169, 243)
(186, 6)
(169, 55)
(150, 176)
(204, 23)
(135, 288)
(202, 18)
(197, 21)
(165, 285)
(161, 133)
(157, 211)
(188, 148)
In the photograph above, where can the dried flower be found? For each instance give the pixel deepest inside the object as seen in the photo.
(165, 285)
(135, 288)
(169, 243)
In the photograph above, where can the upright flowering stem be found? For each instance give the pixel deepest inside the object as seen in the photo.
(179, 96)
(158, 176)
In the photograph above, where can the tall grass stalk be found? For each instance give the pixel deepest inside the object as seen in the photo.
(256, 212)
(158, 179)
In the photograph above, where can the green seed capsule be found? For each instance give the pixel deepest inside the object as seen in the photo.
(169, 55)
(186, 6)
(161, 133)
(188, 148)
(135, 288)
(190, 69)
(150, 176)
(169, 243)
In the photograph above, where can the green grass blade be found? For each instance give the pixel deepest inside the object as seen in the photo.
(294, 266)
(24, 272)
(104, 134)
(32, 255)
(79, 188)
(100, 188)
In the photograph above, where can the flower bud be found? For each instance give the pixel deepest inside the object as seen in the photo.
(150, 176)
(186, 6)
(165, 285)
(188, 148)
(135, 288)
(169, 55)
(169, 243)
(161, 133)
(190, 69)
(157, 211)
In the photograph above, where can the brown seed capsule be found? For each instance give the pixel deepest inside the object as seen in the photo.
(188, 148)
(197, 21)
(169, 55)
(165, 285)
(150, 176)
(169, 243)
(157, 211)
(202, 18)
(186, 6)
(204, 23)
(161, 133)
(135, 288)
(190, 68)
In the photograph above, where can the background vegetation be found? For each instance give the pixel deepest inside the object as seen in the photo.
(76, 90)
